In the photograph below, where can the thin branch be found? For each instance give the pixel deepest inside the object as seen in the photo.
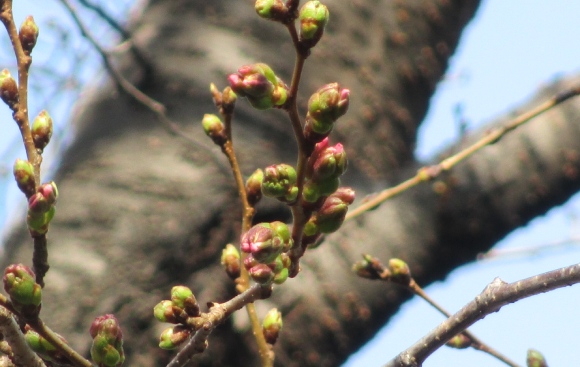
(22, 355)
(428, 173)
(496, 295)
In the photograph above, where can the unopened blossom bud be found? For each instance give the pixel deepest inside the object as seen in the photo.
(24, 292)
(261, 274)
(265, 241)
(313, 18)
(271, 9)
(272, 325)
(254, 187)
(535, 359)
(459, 341)
(8, 89)
(229, 98)
(280, 182)
(107, 347)
(43, 347)
(400, 272)
(325, 106)
(370, 268)
(230, 259)
(164, 311)
(331, 214)
(28, 34)
(182, 297)
(327, 162)
(260, 85)
(214, 128)
(41, 130)
(41, 208)
(24, 176)
(173, 337)
(313, 190)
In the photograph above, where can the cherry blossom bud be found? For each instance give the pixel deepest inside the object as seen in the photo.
(229, 99)
(254, 187)
(43, 347)
(331, 214)
(326, 162)
(535, 359)
(173, 337)
(313, 18)
(325, 106)
(272, 325)
(265, 241)
(107, 347)
(28, 34)
(260, 85)
(41, 208)
(400, 272)
(41, 130)
(271, 9)
(164, 311)
(24, 176)
(231, 261)
(24, 292)
(261, 274)
(8, 89)
(182, 297)
(370, 268)
(280, 182)
(214, 128)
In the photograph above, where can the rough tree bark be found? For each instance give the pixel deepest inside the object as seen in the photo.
(141, 210)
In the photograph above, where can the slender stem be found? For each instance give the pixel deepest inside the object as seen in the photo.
(40, 258)
(428, 173)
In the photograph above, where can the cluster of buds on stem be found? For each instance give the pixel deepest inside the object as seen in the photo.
(25, 294)
(279, 181)
(267, 245)
(260, 85)
(107, 347)
(325, 106)
(178, 310)
(43, 347)
(41, 208)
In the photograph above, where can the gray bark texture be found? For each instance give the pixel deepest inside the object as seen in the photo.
(141, 210)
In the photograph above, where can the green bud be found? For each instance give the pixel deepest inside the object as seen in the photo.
(163, 311)
(182, 297)
(43, 347)
(313, 18)
(107, 346)
(24, 292)
(459, 341)
(535, 359)
(325, 106)
(400, 272)
(214, 128)
(8, 89)
(271, 9)
(272, 325)
(280, 182)
(28, 34)
(229, 99)
(173, 337)
(231, 261)
(281, 276)
(254, 187)
(41, 130)
(24, 176)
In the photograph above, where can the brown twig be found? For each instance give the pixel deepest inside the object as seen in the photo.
(496, 295)
(22, 355)
(428, 173)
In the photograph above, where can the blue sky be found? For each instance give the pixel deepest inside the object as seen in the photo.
(509, 50)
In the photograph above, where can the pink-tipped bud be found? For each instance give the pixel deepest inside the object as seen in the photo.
(331, 214)
(272, 325)
(260, 85)
(28, 34)
(313, 18)
(280, 182)
(265, 241)
(8, 89)
(25, 293)
(41, 130)
(325, 106)
(230, 259)
(107, 347)
(327, 163)
(261, 274)
(24, 176)
(214, 128)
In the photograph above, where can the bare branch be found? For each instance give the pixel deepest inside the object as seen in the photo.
(22, 355)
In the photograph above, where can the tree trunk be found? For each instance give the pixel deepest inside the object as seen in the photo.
(141, 210)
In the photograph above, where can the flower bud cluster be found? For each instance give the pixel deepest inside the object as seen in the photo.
(41, 208)
(325, 106)
(25, 294)
(272, 325)
(313, 18)
(107, 347)
(176, 310)
(267, 245)
(43, 347)
(260, 85)
(279, 181)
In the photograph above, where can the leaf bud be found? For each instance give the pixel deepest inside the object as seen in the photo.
(41, 130)
(254, 187)
(182, 297)
(164, 312)
(400, 272)
(24, 292)
(8, 89)
(272, 325)
(459, 341)
(313, 18)
(230, 259)
(535, 359)
(24, 176)
(173, 337)
(214, 128)
(280, 182)
(271, 9)
(229, 98)
(28, 34)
